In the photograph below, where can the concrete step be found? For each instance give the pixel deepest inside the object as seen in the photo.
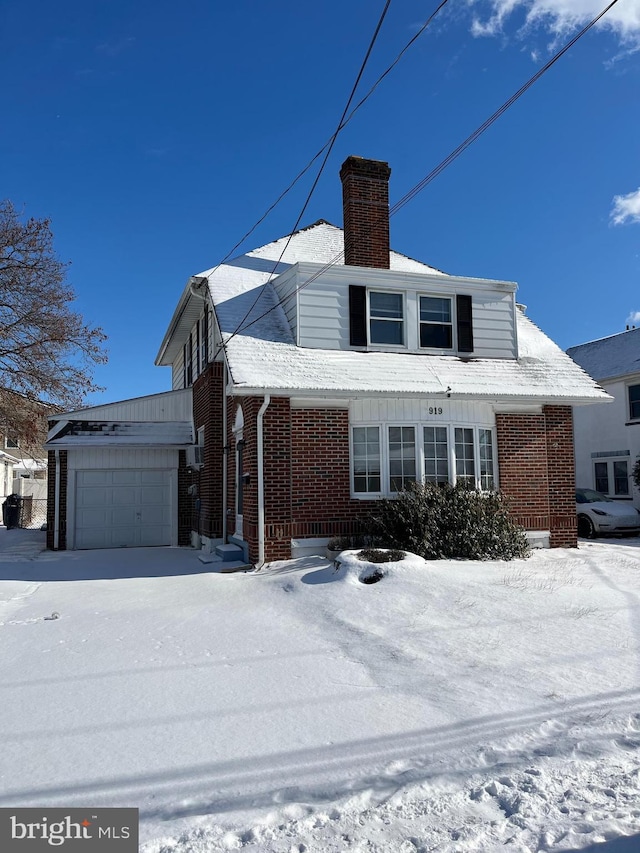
(229, 553)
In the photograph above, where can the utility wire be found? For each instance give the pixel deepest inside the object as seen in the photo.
(415, 190)
(329, 149)
(343, 124)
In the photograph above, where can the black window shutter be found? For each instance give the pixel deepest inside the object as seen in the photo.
(357, 315)
(465, 323)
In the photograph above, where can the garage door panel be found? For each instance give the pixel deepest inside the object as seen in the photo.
(125, 477)
(123, 508)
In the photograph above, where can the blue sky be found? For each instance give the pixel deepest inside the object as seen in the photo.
(155, 134)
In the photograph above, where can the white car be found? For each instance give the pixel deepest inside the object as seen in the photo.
(598, 514)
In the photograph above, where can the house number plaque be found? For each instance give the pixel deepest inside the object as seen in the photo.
(434, 410)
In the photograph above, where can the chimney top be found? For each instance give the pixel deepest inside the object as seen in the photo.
(365, 201)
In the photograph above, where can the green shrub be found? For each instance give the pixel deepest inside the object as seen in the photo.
(445, 522)
(376, 555)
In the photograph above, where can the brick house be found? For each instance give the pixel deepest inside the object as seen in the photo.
(326, 371)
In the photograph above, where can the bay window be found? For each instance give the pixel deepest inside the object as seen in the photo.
(386, 459)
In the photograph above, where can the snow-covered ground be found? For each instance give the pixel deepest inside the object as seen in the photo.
(453, 706)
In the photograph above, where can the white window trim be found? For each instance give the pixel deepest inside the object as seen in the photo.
(450, 426)
(384, 347)
(454, 324)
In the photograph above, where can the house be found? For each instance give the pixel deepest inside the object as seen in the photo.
(607, 438)
(22, 471)
(319, 373)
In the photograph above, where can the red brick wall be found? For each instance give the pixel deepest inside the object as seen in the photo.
(561, 468)
(185, 501)
(535, 457)
(51, 486)
(365, 201)
(208, 399)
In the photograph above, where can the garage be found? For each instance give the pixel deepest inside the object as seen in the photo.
(126, 508)
(117, 474)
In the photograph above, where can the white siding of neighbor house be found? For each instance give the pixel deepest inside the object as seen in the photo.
(408, 410)
(323, 306)
(606, 429)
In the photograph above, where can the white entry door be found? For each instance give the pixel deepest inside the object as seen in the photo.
(119, 508)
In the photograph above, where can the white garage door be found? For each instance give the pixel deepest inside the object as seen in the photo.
(118, 508)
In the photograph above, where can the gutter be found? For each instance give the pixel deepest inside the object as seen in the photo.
(260, 428)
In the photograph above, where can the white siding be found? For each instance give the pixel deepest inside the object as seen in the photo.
(408, 410)
(323, 306)
(285, 286)
(177, 372)
(604, 429)
(170, 406)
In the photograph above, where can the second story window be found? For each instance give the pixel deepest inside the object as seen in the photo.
(11, 443)
(634, 402)
(436, 322)
(386, 318)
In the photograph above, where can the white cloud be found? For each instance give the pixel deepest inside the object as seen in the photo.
(560, 17)
(633, 318)
(626, 208)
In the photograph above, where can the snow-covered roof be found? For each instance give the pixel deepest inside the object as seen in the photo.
(71, 434)
(606, 358)
(264, 357)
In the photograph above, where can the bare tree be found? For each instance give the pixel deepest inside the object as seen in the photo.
(47, 352)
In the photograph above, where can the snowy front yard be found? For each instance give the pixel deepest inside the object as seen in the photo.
(453, 706)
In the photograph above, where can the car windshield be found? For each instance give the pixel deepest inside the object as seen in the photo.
(589, 496)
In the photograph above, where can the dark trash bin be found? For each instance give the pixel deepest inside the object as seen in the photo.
(11, 512)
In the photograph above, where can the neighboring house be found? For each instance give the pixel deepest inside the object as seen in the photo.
(607, 438)
(22, 471)
(320, 385)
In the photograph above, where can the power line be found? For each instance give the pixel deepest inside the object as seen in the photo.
(342, 125)
(329, 149)
(415, 190)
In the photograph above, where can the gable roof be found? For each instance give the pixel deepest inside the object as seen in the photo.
(264, 357)
(606, 358)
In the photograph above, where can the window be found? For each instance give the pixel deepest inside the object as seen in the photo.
(196, 360)
(620, 478)
(465, 461)
(366, 459)
(11, 443)
(386, 459)
(402, 457)
(386, 318)
(485, 446)
(601, 476)
(436, 324)
(634, 402)
(436, 454)
(614, 472)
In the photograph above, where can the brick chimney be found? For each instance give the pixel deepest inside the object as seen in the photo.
(365, 202)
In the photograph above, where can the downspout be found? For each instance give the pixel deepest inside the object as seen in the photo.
(56, 505)
(225, 453)
(260, 428)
